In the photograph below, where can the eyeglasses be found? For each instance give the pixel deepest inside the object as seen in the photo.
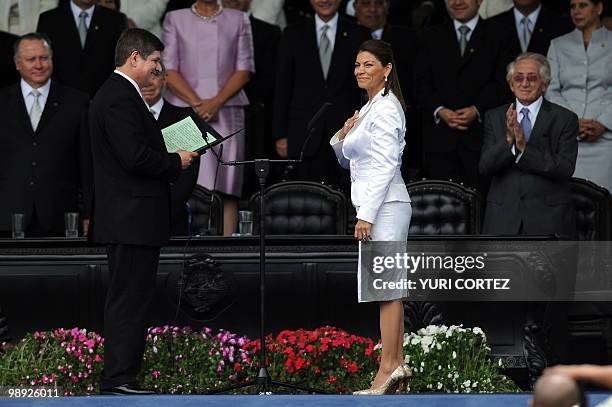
(521, 78)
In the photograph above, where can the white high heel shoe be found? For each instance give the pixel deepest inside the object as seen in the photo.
(390, 385)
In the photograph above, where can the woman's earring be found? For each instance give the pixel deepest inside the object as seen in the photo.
(385, 79)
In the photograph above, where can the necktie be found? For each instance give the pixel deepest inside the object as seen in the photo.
(526, 34)
(82, 28)
(36, 110)
(325, 51)
(526, 124)
(463, 30)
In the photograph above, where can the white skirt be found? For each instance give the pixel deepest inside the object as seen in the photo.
(391, 225)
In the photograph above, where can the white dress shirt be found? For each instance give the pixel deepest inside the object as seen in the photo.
(76, 11)
(331, 32)
(518, 20)
(28, 98)
(377, 34)
(134, 84)
(534, 109)
(470, 24)
(157, 108)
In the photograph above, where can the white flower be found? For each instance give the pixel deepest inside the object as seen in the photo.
(422, 363)
(438, 346)
(378, 346)
(439, 367)
(415, 341)
(467, 383)
(475, 384)
(439, 385)
(499, 363)
(454, 355)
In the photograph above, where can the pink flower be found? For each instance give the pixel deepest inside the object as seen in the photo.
(155, 374)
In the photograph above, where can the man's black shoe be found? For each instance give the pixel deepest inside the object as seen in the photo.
(126, 390)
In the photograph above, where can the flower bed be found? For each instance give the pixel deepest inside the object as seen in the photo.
(182, 361)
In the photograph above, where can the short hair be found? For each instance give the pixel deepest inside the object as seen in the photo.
(544, 71)
(139, 40)
(32, 37)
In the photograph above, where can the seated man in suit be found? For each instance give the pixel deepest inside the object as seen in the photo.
(84, 36)
(530, 152)
(45, 161)
(167, 114)
(531, 27)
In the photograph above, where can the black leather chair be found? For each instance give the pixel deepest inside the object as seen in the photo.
(301, 207)
(206, 212)
(593, 207)
(444, 208)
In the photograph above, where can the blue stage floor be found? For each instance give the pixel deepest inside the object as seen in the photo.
(424, 400)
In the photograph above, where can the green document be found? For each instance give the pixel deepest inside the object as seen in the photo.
(185, 135)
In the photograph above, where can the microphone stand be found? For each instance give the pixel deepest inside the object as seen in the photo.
(263, 382)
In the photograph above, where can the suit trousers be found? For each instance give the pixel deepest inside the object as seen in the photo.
(132, 272)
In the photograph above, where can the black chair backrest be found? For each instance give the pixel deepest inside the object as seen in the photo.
(206, 212)
(303, 208)
(444, 208)
(593, 207)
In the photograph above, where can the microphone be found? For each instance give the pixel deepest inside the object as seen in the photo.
(311, 128)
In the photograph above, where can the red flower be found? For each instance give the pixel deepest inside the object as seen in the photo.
(237, 367)
(331, 379)
(309, 348)
(299, 363)
(317, 370)
(352, 367)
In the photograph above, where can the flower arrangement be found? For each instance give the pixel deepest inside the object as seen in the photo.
(179, 361)
(71, 359)
(453, 360)
(327, 358)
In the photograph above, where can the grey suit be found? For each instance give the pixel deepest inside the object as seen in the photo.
(531, 196)
(582, 82)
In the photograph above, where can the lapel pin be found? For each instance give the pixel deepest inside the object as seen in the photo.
(541, 30)
(96, 28)
(344, 34)
(472, 50)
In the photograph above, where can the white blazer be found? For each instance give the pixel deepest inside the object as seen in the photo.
(372, 150)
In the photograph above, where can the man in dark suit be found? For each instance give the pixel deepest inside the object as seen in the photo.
(8, 74)
(45, 160)
(459, 76)
(530, 152)
(315, 65)
(260, 90)
(132, 175)
(531, 27)
(167, 114)
(404, 42)
(84, 36)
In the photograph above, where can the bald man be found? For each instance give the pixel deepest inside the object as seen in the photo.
(555, 390)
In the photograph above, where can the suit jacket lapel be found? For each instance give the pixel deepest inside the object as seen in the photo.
(475, 43)
(20, 110)
(312, 47)
(542, 121)
(92, 31)
(72, 31)
(341, 48)
(51, 107)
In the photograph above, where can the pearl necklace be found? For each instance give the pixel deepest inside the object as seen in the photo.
(194, 9)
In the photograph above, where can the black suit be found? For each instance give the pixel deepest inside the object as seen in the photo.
(8, 73)
(532, 196)
(132, 175)
(182, 188)
(42, 172)
(301, 89)
(548, 26)
(405, 43)
(86, 68)
(445, 78)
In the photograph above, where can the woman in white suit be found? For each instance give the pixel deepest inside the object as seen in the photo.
(582, 82)
(371, 144)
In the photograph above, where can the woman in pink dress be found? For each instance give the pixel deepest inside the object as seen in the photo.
(209, 59)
